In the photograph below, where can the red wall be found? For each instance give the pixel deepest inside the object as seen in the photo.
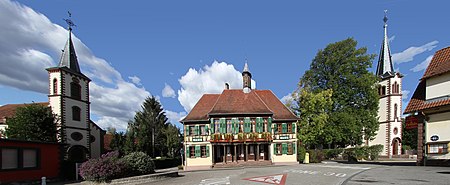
(49, 162)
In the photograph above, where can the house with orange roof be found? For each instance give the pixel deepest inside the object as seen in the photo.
(430, 108)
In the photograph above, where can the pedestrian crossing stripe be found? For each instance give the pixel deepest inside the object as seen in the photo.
(278, 179)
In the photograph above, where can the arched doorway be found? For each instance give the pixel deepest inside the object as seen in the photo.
(395, 146)
(77, 153)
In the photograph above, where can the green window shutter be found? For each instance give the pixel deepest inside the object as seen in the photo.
(284, 128)
(269, 124)
(258, 124)
(293, 148)
(293, 128)
(233, 126)
(236, 125)
(197, 151)
(206, 129)
(284, 148)
(247, 124)
(197, 130)
(274, 148)
(212, 126)
(275, 128)
(188, 150)
(187, 130)
(207, 151)
(222, 128)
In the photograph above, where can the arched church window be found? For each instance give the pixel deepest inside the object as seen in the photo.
(76, 113)
(383, 90)
(395, 111)
(75, 89)
(55, 86)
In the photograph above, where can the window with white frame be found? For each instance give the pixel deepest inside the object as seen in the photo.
(441, 148)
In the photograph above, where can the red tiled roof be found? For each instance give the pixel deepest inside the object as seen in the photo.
(235, 102)
(201, 109)
(439, 64)
(8, 110)
(280, 111)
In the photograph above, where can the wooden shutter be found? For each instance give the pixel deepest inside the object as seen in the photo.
(247, 124)
(188, 151)
(269, 124)
(207, 151)
(284, 128)
(187, 130)
(274, 148)
(284, 148)
(198, 152)
(197, 130)
(211, 126)
(235, 126)
(275, 128)
(222, 126)
(206, 129)
(258, 124)
(293, 127)
(293, 148)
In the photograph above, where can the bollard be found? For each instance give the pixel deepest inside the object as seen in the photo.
(306, 160)
(43, 182)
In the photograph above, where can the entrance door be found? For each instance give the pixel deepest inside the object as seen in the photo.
(395, 147)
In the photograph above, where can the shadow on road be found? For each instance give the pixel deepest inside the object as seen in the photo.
(384, 163)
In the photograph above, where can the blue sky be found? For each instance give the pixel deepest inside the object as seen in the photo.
(178, 50)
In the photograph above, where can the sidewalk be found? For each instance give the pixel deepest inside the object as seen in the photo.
(158, 175)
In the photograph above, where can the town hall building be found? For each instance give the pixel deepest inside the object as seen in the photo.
(239, 127)
(389, 132)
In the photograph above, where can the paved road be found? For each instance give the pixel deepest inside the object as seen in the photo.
(317, 174)
(297, 174)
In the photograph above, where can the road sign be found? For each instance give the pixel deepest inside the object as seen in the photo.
(279, 179)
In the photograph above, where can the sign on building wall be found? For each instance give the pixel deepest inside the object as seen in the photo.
(411, 122)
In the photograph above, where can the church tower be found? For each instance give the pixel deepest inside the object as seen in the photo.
(69, 99)
(390, 103)
(247, 79)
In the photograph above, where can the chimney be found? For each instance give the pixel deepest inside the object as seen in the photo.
(227, 86)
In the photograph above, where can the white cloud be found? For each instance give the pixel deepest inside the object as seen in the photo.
(210, 79)
(136, 80)
(286, 99)
(30, 42)
(423, 65)
(168, 92)
(405, 94)
(175, 117)
(391, 39)
(408, 54)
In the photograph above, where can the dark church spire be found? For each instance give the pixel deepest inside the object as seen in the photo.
(384, 60)
(69, 57)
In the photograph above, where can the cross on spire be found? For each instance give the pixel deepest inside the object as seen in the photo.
(69, 21)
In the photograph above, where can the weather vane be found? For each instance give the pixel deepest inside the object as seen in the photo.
(385, 19)
(69, 21)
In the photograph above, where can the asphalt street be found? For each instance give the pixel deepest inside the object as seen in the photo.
(316, 174)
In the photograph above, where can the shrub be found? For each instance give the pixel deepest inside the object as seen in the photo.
(104, 169)
(166, 162)
(315, 156)
(374, 151)
(139, 163)
(333, 153)
(301, 151)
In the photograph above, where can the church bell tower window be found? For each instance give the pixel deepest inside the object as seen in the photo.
(76, 113)
(75, 89)
(55, 86)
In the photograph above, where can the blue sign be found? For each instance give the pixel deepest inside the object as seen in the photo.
(434, 137)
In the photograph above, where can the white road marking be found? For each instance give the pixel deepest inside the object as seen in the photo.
(342, 167)
(309, 172)
(215, 181)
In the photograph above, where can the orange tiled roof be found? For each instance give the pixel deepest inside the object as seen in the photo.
(8, 110)
(236, 102)
(439, 64)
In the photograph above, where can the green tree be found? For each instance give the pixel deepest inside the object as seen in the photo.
(343, 68)
(409, 137)
(314, 118)
(32, 122)
(173, 141)
(148, 124)
(118, 141)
